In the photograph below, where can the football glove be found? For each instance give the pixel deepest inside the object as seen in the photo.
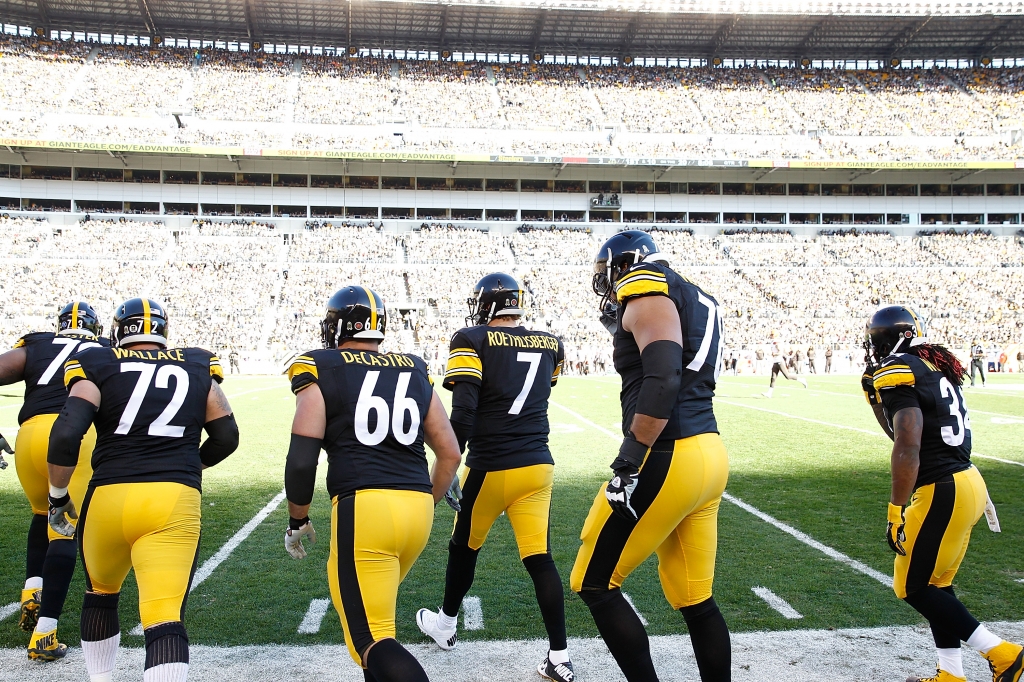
(62, 509)
(619, 492)
(4, 447)
(867, 384)
(454, 495)
(298, 529)
(894, 531)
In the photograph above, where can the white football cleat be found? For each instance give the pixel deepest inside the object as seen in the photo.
(802, 381)
(427, 622)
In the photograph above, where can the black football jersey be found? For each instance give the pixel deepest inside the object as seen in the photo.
(702, 328)
(152, 412)
(515, 369)
(44, 369)
(905, 380)
(376, 404)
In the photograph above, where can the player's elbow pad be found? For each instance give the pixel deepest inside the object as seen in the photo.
(663, 374)
(222, 440)
(67, 431)
(300, 468)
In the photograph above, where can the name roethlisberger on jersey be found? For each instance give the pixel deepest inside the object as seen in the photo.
(524, 341)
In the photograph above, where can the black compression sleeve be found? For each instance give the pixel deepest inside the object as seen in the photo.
(465, 398)
(663, 374)
(222, 441)
(300, 468)
(67, 431)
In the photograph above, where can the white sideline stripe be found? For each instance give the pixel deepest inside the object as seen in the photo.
(776, 602)
(811, 542)
(310, 624)
(225, 551)
(9, 610)
(802, 537)
(877, 434)
(472, 614)
(629, 600)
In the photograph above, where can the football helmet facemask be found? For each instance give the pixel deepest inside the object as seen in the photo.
(78, 317)
(353, 312)
(617, 255)
(139, 320)
(494, 295)
(892, 329)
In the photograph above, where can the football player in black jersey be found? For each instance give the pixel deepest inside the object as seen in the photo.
(150, 404)
(501, 376)
(937, 493)
(38, 360)
(671, 468)
(372, 413)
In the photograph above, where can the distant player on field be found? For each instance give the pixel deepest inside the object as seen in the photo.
(38, 360)
(671, 467)
(372, 413)
(937, 493)
(500, 374)
(978, 361)
(779, 367)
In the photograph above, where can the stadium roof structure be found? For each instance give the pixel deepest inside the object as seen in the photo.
(727, 29)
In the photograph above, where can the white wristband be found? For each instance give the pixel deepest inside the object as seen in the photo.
(57, 493)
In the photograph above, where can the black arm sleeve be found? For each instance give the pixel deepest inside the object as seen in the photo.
(465, 398)
(67, 431)
(222, 441)
(663, 374)
(300, 468)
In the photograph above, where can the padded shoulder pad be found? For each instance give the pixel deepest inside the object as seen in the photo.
(643, 279)
(464, 362)
(303, 372)
(893, 373)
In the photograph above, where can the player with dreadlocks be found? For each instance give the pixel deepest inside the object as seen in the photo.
(914, 388)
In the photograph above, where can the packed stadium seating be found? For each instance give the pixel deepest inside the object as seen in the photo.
(248, 286)
(116, 93)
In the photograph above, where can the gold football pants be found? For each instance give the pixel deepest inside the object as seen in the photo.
(524, 494)
(30, 450)
(677, 498)
(376, 537)
(938, 527)
(151, 527)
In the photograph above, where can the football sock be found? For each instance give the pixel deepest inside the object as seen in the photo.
(389, 661)
(983, 640)
(101, 634)
(550, 597)
(709, 636)
(557, 657)
(166, 653)
(38, 541)
(622, 632)
(458, 578)
(446, 621)
(940, 606)
(35, 583)
(58, 568)
(951, 661)
(46, 624)
(368, 676)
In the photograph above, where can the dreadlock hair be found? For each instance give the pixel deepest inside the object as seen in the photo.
(943, 359)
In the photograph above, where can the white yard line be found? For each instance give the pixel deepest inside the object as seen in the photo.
(610, 434)
(472, 614)
(310, 624)
(877, 434)
(629, 600)
(776, 602)
(230, 546)
(799, 535)
(9, 610)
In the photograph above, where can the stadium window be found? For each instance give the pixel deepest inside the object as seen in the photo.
(10, 203)
(217, 209)
(897, 219)
(993, 218)
(836, 219)
(868, 218)
(737, 218)
(467, 184)
(361, 212)
(967, 218)
(55, 205)
(700, 217)
(290, 211)
(537, 216)
(431, 212)
(770, 189)
(45, 173)
(770, 218)
(181, 178)
(433, 184)
(467, 214)
(704, 188)
(868, 190)
(398, 183)
(901, 190)
(968, 190)
(804, 218)
(353, 181)
(290, 180)
(936, 190)
(573, 186)
(93, 206)
(327, 211)
(935, 219)
(737, 188)
(637, 187)
(142, 207)
(150, 177)
(670, 217)
(502, 185)
(396, 213)
(218, 178)
(99, 174)
(1002, 190)
(253, 179)
(536, 185)
(836, 190)
(501, 214)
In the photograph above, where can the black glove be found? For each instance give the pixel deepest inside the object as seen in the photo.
(619, 491)
(610, 318)
(894, 531)
(4, 447)
(867, 384)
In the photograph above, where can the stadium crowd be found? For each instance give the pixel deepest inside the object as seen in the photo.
(235, 285)
(698, 112)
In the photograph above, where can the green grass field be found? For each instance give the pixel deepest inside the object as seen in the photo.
(829, 482)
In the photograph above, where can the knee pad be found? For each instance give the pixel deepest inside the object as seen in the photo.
(539, 563)
(166, 643)
(598, 598)
(698, 612)
(99, 616)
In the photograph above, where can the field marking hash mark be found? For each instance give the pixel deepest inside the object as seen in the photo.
(776, 602)
(9, 610)
(314, 617)
(472, 614)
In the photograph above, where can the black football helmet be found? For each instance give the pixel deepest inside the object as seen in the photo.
(139, 320)
(617, 255)
(494, 295)
(353, 312)
(78, 317)
(892, 329)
